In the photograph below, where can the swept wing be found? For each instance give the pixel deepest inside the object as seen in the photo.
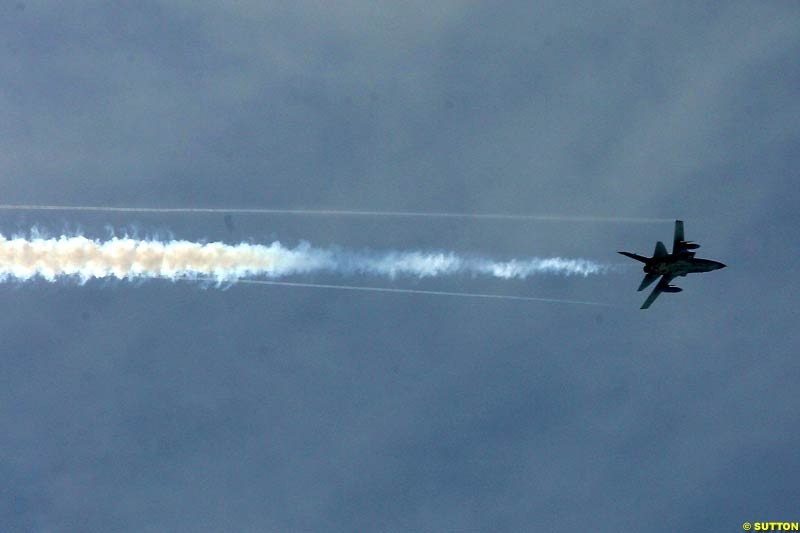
(680, 246)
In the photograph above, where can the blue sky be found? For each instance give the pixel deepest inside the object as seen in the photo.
(154, 406)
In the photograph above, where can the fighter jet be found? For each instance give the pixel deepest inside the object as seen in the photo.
(669, 266)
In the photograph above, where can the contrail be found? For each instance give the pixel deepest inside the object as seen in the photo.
(24, 258)
(332, 212)
(412, 291)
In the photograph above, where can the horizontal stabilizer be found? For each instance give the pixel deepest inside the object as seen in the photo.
(635, 256)
(649, 278)
(662, 286)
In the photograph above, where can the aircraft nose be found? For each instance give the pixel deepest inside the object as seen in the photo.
(720, 265)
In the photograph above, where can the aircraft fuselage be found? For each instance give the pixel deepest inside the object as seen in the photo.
(680, 266)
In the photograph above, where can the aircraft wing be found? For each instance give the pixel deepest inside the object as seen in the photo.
(680, 246)
(662, 284)
(678, 241)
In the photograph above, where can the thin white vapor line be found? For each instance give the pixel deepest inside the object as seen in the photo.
(331, 212)
(402, 291)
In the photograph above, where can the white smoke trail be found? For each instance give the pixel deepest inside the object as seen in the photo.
(126, 258)
(332, 212)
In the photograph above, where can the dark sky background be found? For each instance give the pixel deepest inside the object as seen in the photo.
(159, 406)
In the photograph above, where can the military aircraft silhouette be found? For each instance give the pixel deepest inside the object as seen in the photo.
(669, 266)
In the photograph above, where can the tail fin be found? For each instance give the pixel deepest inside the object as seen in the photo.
(660, 251)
